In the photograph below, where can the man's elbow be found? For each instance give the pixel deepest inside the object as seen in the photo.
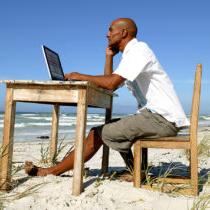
(112, 87)
(115, 82)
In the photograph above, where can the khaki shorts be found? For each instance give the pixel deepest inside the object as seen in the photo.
(120, 134)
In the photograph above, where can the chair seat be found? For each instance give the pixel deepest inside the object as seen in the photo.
(171, 138)
(175, 142)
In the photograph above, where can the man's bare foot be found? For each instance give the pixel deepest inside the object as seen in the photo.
(30, 168)
(33, 170)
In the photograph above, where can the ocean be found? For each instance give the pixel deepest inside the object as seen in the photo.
(31, 126)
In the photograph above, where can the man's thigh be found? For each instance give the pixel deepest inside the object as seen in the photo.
(120, 134)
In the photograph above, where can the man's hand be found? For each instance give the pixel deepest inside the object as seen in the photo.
(72, 76)
(111, 51)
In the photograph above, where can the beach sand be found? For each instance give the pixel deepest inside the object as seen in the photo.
(54, 192)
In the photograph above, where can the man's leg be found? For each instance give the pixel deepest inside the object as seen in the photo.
(92, 144)
(128, 159)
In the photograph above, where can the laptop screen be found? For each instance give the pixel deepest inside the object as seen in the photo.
(53, 63)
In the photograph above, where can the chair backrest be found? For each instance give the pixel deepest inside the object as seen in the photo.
(195, 105)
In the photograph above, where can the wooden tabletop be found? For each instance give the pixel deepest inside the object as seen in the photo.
(57, 83)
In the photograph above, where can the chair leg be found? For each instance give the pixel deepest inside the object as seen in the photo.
(137, 164)
(194, 170)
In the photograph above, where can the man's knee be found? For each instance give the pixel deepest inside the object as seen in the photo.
(96, 138)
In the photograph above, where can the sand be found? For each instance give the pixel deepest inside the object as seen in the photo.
(52, 192)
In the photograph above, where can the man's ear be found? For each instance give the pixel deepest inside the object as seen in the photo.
(124, 33)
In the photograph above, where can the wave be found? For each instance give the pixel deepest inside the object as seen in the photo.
(63, 118)
(39, 118)
(28, 114)
(20, 125)
(205, 118)
(17, 125)
(40, 124)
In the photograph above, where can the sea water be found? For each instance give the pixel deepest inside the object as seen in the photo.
(32, 126)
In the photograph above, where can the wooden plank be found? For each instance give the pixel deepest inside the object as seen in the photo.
(54, 132)
(99, 99)
(165, 144)
(194, 127)
(168, 189)
(175, 180)
(108, 116)
(178, 138)
(137, 164)
(45, 82)
(55, 84)
(41, 95)
(79, 143)
(105, 160)
(105, 153)
(7, 144)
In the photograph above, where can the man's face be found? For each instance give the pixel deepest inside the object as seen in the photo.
(114, 36)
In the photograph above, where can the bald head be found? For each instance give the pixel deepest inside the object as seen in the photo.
(121, 31)
(128, 24)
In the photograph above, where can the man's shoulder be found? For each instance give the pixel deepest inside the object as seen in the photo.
(135, 44)
(141, 48)
(142, 45)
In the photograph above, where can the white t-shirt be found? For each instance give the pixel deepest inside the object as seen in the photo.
(149, 83)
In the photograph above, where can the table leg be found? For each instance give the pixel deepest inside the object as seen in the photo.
(7, 144)
(54, 132)
(77, 187)
(105, 156)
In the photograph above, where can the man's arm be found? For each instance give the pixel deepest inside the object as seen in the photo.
(110, 82)
(108, 68)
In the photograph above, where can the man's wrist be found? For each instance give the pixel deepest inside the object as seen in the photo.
(109, 56)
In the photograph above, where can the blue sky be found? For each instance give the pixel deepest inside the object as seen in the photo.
(177, 31)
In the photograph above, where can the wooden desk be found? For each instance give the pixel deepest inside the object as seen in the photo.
(71, 93)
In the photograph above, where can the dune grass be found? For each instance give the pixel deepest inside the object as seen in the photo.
(203, 149)
(202, 202)
(45, 153)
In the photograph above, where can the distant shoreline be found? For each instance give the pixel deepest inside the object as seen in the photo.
(91, 112)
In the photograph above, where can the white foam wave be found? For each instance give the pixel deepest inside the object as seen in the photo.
(94, 123)
(68, 117)
(40, 124)
(67, 120)
(40, 118)
(22, 125)
(27, 114)
(19, 125)
(205, 117)
(95, 117)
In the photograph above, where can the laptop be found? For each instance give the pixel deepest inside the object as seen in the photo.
(53, 63)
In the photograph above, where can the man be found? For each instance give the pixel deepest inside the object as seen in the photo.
(159, 110)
